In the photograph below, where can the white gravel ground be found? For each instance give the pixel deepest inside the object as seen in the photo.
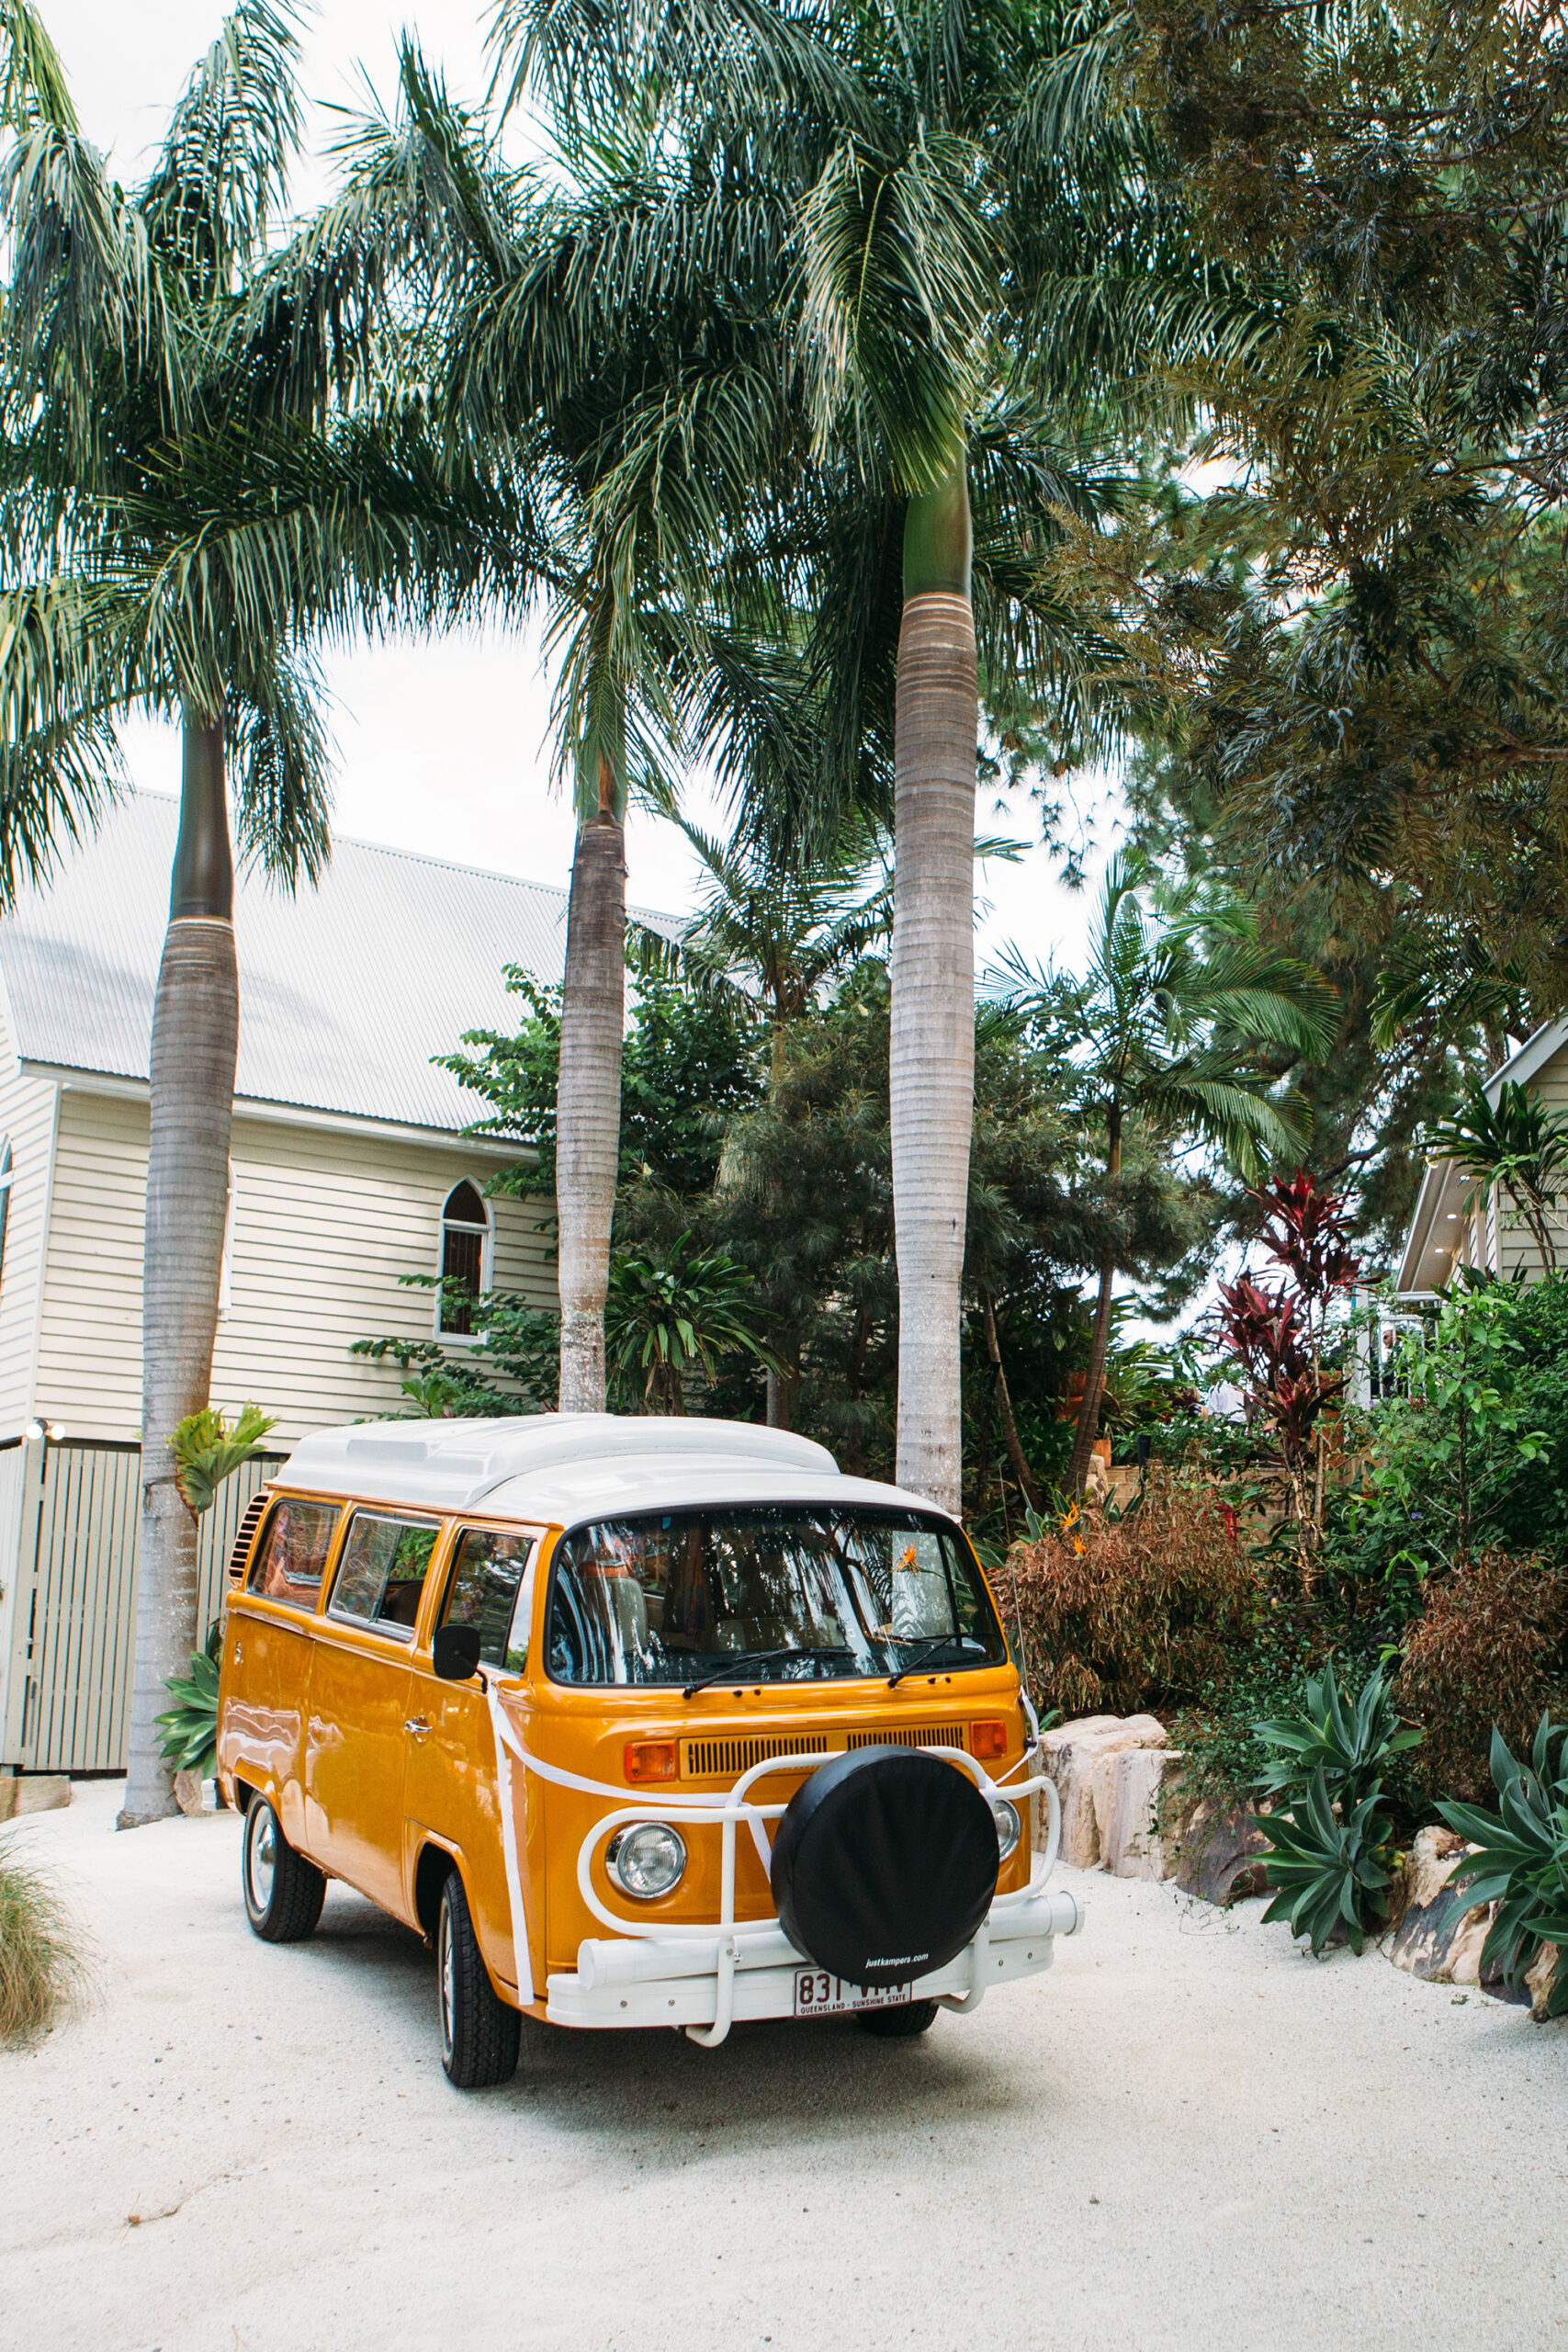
(1186, 2135)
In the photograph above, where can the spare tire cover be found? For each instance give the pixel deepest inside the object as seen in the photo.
(885, 1864)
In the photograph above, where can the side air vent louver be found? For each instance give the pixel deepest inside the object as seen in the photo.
(246, 1529)
(710, 1759)
(910, 1735)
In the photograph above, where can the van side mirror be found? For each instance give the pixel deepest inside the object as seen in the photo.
(455, 1652)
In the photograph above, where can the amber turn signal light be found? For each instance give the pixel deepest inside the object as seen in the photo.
(653, 1759)
(988, 1740)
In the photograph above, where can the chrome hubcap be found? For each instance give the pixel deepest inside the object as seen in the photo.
(261, 1857)
(447, 1975)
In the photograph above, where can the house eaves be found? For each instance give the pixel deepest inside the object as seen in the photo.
(507, 1150)
(1437, 1230)
(1530, 1059)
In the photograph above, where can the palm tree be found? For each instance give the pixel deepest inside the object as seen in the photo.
(584, 348)
(774, 931)
(1166, 1030)
(176, 529)
(930, 196)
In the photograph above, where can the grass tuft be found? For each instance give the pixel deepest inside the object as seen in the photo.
(44, 1975)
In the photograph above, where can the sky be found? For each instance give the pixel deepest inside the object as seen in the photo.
(444, 745)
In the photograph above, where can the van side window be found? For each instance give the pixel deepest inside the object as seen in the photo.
(382, 1572)
(490, 1589)
(293, 1551)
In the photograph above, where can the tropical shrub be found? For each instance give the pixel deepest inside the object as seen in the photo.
(1522, 1865)
(1141, 1609)
(1350, 1746)
(511, 1366)
(1285, 1341)
(189, 1729)
(1330, 1869)
(208, 1449)
(669, 1316)
(1486, 1650)
(1474, 1452)
(43, 1971)
(1328, 1824)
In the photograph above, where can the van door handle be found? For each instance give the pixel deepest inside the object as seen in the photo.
(417, 1725)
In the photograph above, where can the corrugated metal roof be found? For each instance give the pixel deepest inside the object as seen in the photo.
(347, 991)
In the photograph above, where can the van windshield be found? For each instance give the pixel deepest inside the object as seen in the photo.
(766, 1595)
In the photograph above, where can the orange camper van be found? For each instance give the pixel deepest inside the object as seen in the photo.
(640, 1722)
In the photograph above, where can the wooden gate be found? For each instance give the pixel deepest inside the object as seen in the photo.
(75, 1617)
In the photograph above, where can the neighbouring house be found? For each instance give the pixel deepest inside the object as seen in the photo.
(348, 1169)
(1450, 1228)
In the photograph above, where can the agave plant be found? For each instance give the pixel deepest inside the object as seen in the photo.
(189, 1729)
(1328, 1867)
(1327, 1837)
(1522, 1864)
(1350, 1747)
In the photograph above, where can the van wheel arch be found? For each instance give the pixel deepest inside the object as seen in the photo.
(429, 1877)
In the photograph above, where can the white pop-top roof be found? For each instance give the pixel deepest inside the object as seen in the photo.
(561, 1467)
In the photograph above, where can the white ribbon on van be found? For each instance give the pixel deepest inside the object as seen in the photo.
(508, 1744)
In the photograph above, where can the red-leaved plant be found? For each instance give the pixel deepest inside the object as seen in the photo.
(1279, 1337)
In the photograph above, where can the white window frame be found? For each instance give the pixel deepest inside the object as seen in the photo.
(487, 1258)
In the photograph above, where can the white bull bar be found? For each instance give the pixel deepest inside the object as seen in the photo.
(701, 1975)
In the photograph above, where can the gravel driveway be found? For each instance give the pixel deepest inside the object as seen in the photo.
(1186, 2134)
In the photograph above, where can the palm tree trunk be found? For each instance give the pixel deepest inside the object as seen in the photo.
(587, 1098)
(1098, 1346)
(932, 1042)
(196, 1028)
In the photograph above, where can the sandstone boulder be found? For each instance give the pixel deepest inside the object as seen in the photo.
(1071, 1752)
(1538, 1979)
(23, 1793)
(188, 1793)
(1219, 1853)
(1436, 1939)
(1127, 1785)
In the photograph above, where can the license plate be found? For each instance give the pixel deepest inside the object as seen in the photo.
(817, 1995)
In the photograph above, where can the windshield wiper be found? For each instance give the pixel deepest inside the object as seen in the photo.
(929, 1649)
(726, 1672)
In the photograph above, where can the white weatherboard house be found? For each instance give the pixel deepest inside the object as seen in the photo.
(348, 1169)
(1450, 1228)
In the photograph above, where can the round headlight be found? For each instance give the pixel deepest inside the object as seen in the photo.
(648, 1858)
(1004, 1816)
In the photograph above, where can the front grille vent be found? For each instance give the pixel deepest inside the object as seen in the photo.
(910, 1735)
(708, 1759)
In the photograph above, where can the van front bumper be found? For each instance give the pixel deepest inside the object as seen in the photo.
(648, 1980)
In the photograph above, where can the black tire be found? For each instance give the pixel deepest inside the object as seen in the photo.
(283, 1892)
(899, 2024)
(481, 2036)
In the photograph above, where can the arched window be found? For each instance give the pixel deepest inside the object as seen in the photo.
(465, 1236)
(5, 1172)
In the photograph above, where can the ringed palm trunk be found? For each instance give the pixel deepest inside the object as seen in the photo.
(932, 1041)
(1098, 1347)
(196, 1028)
(588, 1098)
